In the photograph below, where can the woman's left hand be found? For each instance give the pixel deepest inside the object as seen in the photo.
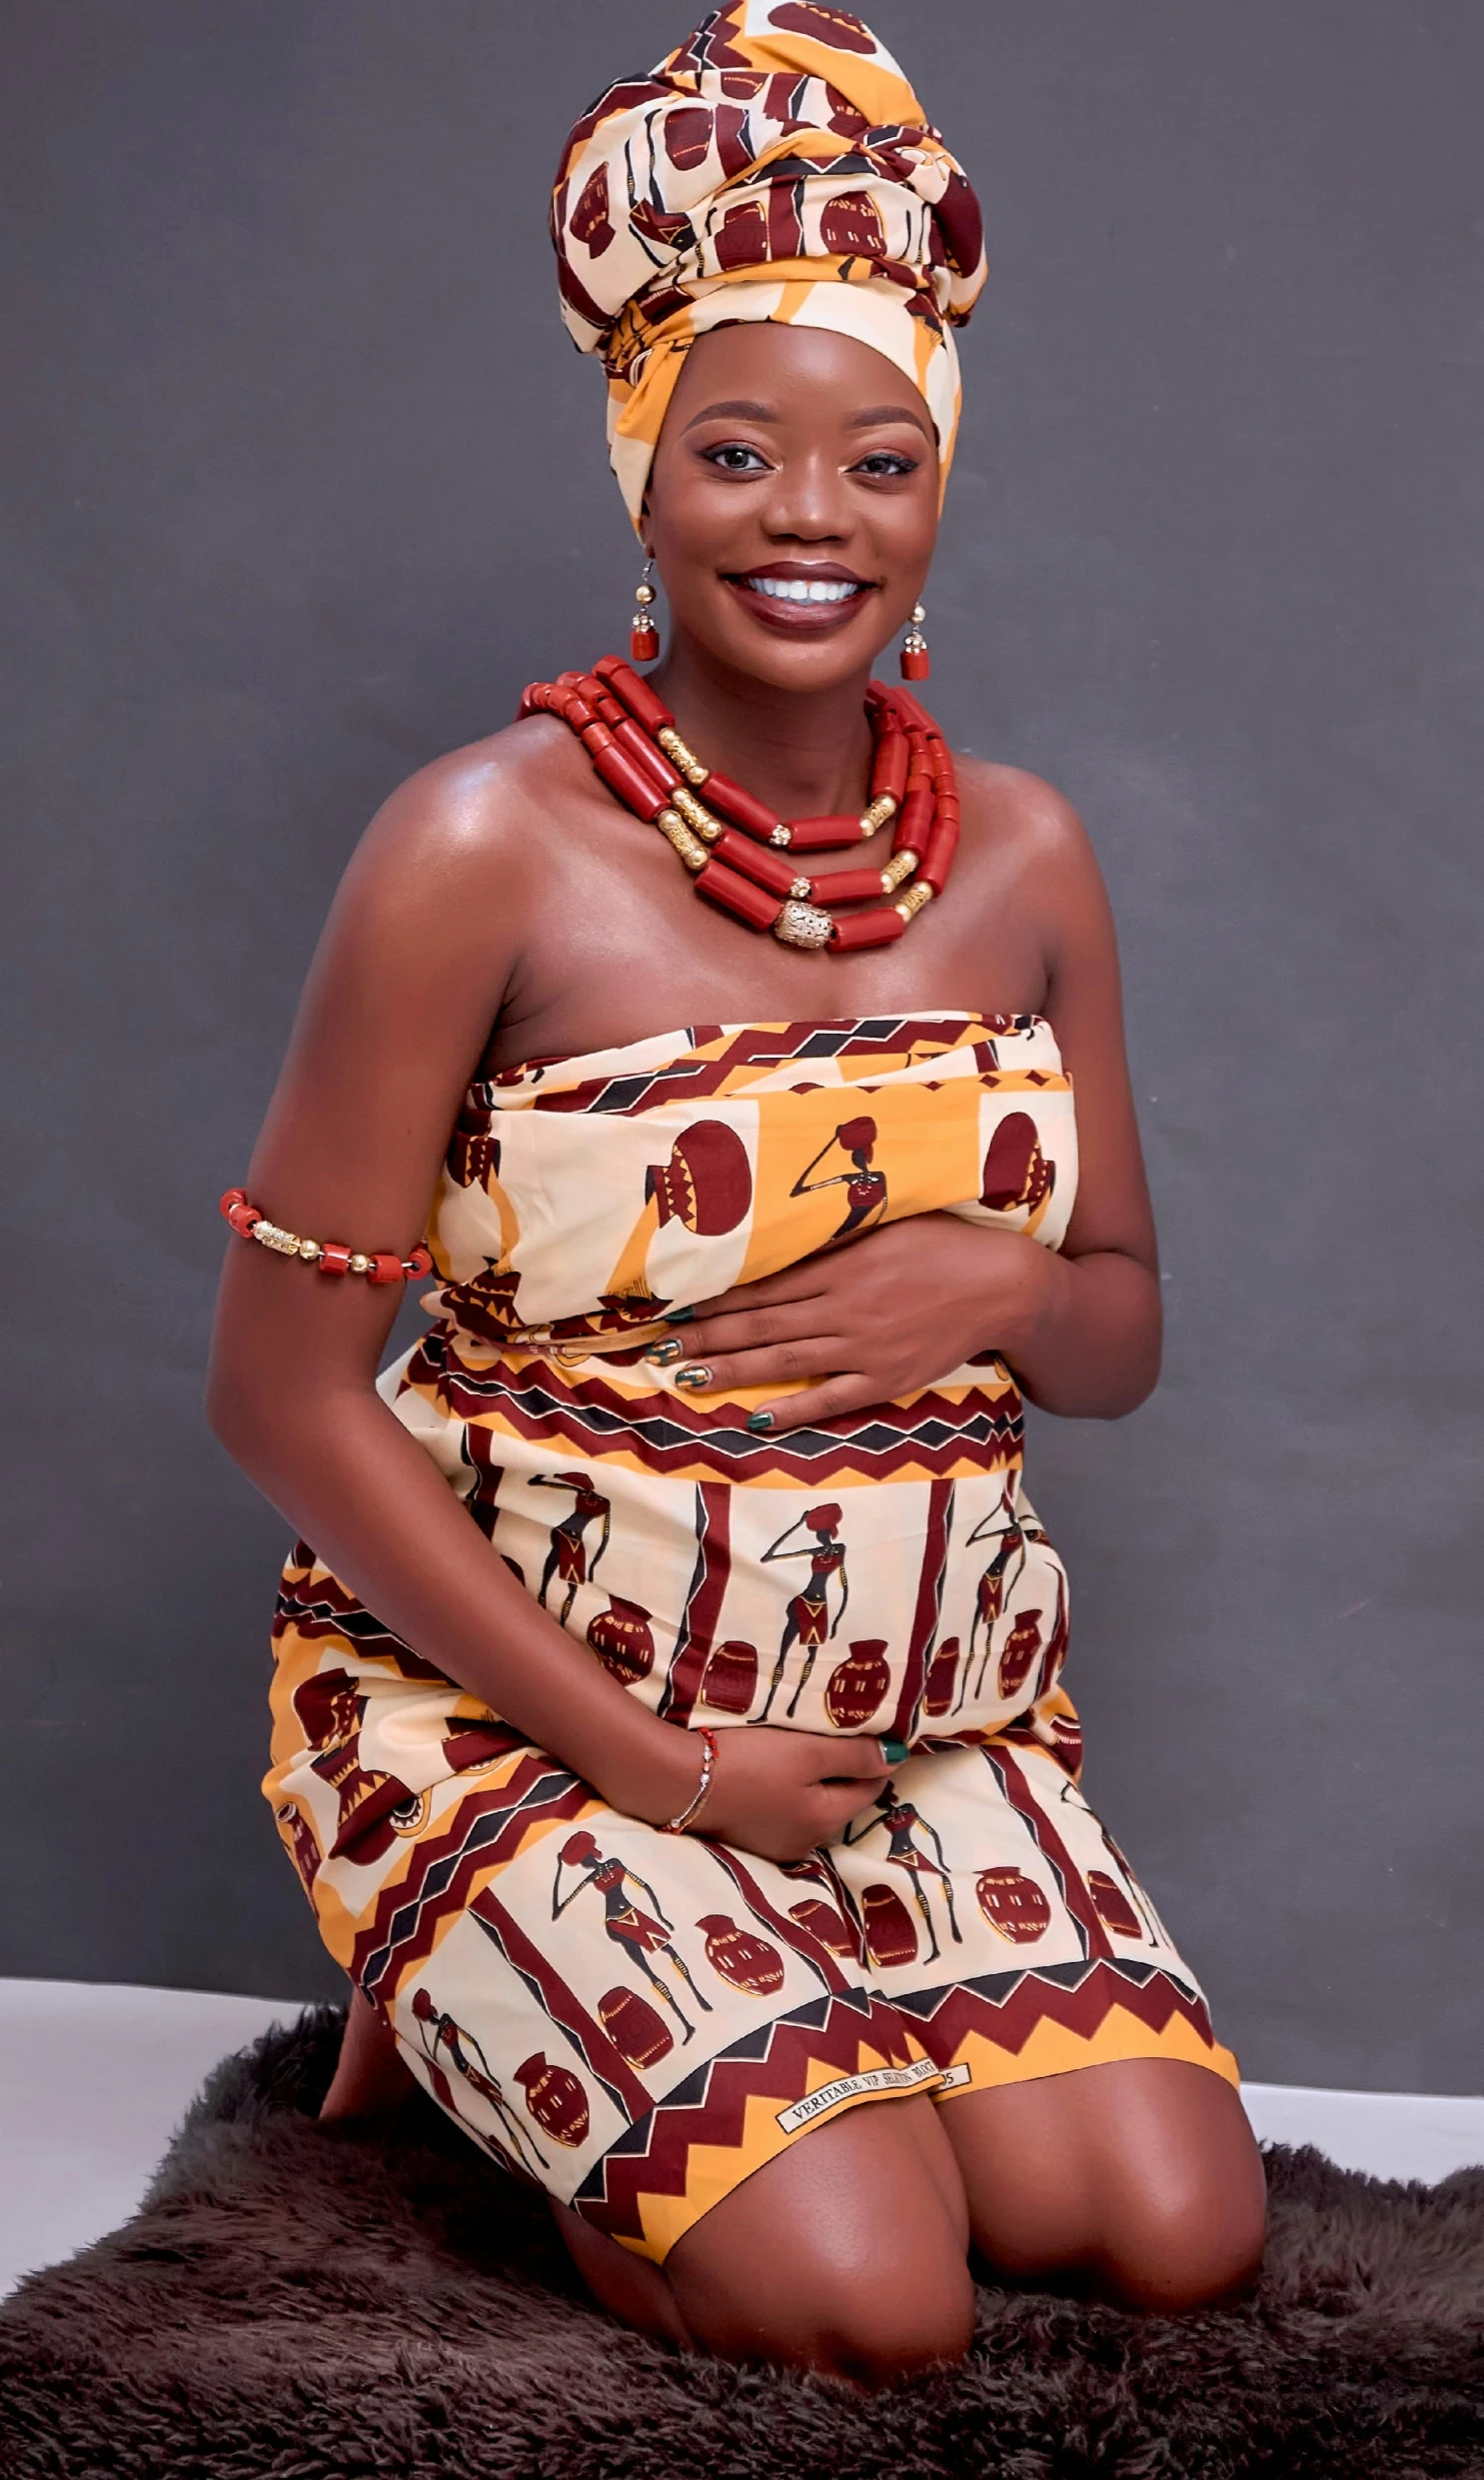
(867, 1323)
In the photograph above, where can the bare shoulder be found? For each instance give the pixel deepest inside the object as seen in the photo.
(473, 811)
(1022, 817)
(1032, 859)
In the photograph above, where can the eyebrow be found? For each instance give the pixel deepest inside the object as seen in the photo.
(745, 409)
(876, 414)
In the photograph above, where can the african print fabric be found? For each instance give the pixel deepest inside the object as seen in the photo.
(640, 2021)
(778, 165)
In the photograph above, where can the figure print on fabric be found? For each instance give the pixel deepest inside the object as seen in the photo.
(901, 1825)
(375, 1807)
(865, 1189)
(567, 1559)
(640, 1933)
(807, 1622)
(1013, 1532)
(705, 1186)
(665, 2014)
(440, 2036)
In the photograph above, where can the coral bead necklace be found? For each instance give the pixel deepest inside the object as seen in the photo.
(739, 851)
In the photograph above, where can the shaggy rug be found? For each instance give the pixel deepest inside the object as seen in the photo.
(297, 2303)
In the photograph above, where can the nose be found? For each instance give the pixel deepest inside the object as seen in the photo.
(808, 502)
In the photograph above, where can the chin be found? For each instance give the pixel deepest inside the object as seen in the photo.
(805, 664)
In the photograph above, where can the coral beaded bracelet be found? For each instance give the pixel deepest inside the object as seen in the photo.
(378, 1266)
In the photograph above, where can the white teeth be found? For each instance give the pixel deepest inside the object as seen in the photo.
(799, 590)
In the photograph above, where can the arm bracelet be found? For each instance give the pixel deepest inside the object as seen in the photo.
(693, 1807)
(331, 1257)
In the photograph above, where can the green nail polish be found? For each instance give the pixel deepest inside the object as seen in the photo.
(671, 1350)
(679, 1317)
(760, 1420)
(696, 1376)
(896, 1751)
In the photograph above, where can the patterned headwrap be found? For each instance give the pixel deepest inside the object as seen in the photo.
(777, 165)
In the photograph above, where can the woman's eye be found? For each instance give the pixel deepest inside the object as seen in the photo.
(886, 465)
(734, 457)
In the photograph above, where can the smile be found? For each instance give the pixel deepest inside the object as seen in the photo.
(795, 590)
(801, 598)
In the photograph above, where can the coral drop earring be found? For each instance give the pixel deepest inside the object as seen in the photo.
(914, 663)
(644, 637)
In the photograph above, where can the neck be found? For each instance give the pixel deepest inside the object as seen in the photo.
(805, 753)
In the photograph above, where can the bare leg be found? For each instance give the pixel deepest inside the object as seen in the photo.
(1143, 2178)
(847, 2253)
(370, 2078)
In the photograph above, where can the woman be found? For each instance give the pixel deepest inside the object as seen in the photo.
(787, 2011)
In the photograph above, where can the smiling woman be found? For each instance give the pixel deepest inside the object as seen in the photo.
(669, 1720)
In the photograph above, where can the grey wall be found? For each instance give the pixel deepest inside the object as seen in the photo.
(301, 480)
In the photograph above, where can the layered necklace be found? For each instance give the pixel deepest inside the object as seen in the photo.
(739, 851)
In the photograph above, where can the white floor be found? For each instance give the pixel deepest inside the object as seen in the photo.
(94, 2080)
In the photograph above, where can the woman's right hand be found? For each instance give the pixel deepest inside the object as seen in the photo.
(780, 1793)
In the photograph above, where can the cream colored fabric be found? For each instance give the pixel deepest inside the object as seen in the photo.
(778, 166)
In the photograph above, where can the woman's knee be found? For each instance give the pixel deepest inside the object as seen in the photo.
(874, 2324)
(844, 2254)
(1190, 2244)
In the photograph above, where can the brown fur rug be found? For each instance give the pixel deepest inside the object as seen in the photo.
(295, 2303)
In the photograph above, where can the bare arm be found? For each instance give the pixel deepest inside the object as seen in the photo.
(406, 985)
(1087, 1339)
(417, 956)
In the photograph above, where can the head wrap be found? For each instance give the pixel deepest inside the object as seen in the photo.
(777, 165)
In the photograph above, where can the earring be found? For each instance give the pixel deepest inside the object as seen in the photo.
(914, 661)
(644, 637)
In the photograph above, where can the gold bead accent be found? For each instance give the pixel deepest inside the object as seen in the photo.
(899, 868)
(696, 814)
(273, 1237)
(804, 926)
(911, 905)
(879, 812)
(644, 596)
(674, 831)
(781, 836)
(309, 1249)
(801, 890)
(681, 754)
(360, 1263)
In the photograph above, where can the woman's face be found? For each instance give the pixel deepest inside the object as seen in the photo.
(792, 504)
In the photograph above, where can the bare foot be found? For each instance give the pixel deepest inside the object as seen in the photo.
(370, 2078)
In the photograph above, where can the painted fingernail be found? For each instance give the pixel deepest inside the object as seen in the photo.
(679, 1317)
(760, 1420)
(894, 1752)
(671, 1350)
(695, 1375)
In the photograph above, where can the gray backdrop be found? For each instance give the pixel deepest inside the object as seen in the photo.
(303, 481)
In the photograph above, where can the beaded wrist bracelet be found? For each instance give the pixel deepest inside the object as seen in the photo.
(693, 1807)
(331, 1258)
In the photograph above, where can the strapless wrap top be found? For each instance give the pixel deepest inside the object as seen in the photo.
(883, 1570)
